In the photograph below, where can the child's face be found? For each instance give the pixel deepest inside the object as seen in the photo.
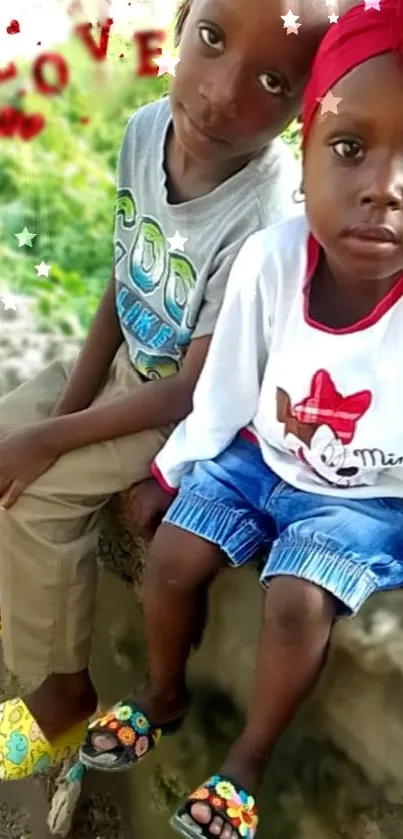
(240, 78)
(353, 173)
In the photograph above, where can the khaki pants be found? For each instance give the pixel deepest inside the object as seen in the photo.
(49, 537)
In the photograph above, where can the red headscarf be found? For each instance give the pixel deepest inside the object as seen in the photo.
(358, 35)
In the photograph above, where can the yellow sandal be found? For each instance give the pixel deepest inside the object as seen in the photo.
(24, 749)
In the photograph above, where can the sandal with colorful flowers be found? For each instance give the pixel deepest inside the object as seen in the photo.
(227, 801)
(131, 731)
(24, 749)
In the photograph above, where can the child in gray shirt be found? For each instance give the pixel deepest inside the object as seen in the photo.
(172, 259)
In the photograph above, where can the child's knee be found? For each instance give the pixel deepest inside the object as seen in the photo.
(298, 609)
(180, 560)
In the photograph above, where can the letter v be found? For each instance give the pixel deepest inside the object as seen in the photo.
(98, 51)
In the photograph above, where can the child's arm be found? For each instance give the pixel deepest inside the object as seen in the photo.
(156, 403)
(227, 395)
(100, 347)
(28, 453)
(226, 400)
(231, 380)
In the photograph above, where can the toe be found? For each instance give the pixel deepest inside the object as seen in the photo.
(201, 813)
(103, 742)
(216, 827)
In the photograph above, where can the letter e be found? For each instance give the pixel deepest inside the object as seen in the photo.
(148, 49)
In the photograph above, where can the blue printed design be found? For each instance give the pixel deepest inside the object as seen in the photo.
(155, 366)
(41, 764)
(177, 293)
(17, 748)
(76, 773)
(148, 259)
(140, 723)
(143, 323)
(154, 292)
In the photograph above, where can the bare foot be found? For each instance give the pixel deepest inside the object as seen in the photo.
(159, 708)
(201, 814)
(245, 770)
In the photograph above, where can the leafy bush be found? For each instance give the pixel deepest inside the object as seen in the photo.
(61, 186)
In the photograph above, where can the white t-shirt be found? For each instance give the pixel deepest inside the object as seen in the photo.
(325, 405)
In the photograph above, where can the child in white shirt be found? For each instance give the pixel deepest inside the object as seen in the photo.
(295, 443)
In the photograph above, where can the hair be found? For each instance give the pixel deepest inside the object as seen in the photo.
(181, 16)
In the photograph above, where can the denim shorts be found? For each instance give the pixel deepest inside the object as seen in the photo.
(351, 548)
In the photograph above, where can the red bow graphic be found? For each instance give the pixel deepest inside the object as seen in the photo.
(326, 406)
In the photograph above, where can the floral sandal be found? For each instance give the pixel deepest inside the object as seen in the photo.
(24, 749)
(226, 800)
(131, 731)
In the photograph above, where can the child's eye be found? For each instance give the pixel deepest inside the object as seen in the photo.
(348, 149)
(210, 38)
(272, 83)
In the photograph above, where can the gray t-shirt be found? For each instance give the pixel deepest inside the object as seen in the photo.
(166, 297)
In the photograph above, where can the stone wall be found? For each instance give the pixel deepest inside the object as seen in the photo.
(339, 770)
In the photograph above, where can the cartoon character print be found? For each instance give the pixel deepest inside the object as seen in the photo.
(320, 429)
(17, 746)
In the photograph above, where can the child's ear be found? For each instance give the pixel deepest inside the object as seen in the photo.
(183, 12)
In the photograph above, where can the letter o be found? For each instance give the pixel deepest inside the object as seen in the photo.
(62, 71)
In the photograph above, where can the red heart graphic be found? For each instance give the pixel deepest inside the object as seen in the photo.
(10, 121)
(31, 125)
(13, 28)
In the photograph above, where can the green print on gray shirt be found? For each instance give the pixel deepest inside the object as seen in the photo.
(155, 272)
(166, 297)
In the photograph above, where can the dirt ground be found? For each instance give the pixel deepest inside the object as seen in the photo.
(105, 809)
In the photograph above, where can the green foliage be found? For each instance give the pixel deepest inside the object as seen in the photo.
(61, 186)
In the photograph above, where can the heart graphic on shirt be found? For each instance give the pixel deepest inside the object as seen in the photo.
(13, 28)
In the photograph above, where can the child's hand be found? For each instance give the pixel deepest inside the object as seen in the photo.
(145, 507)
(24, 456)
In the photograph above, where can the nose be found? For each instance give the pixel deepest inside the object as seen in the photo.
(384, 189)
(221, 91)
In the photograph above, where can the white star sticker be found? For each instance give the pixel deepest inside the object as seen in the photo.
(25, 238)
(42, 270)
(9, 301)
(166, 63)
(329, 103)
(333, 18)
(176, 242)
(372, 4)
(290, 23)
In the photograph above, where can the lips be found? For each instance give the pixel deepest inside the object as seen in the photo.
(205, 132)
(373, 233)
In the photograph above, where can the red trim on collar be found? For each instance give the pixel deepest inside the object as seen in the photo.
(157, 474)
(393, 295)
(247, 434)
